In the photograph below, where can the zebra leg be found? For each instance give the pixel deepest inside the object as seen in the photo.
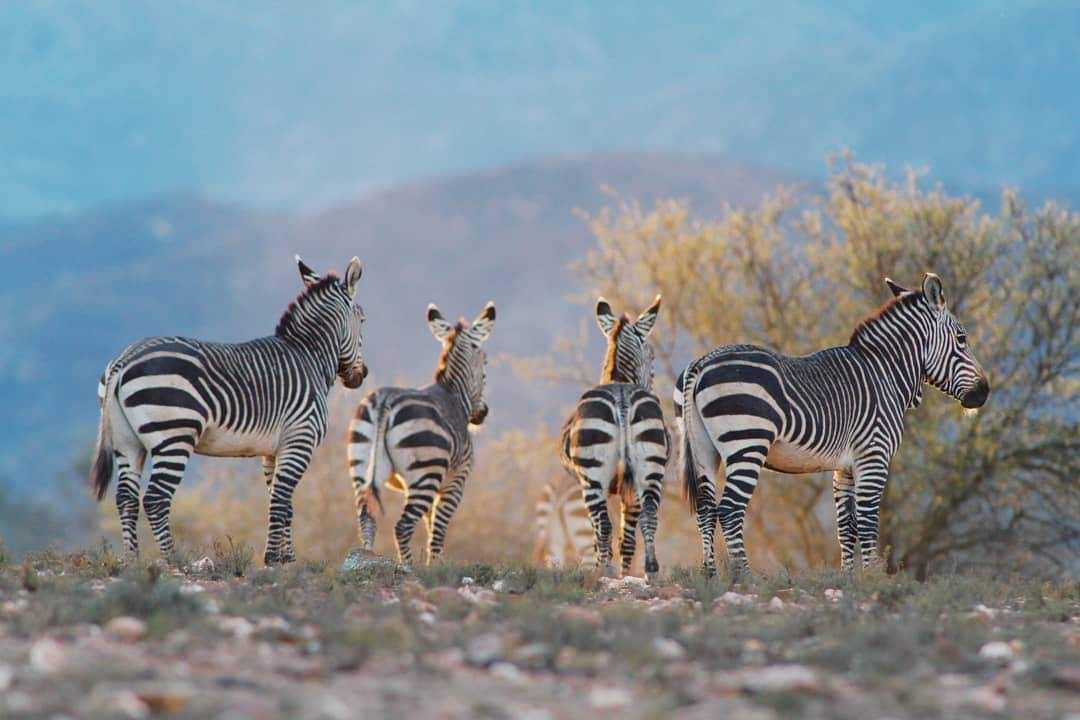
(706, 522)
(648, 532)
(166, 471)
(846, 527)
(631, 511)
(742, 465)
(870, 476)
(292, 462)
(421, 489)
(367, 528)
(442, 512)
(269, 465)
(596, 502)
(130, 466)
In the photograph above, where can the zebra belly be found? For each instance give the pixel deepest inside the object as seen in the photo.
(218, 442)
(788, 457)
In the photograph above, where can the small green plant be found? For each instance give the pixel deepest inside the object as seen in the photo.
(231, 558)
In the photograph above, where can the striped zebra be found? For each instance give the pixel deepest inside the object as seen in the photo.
(418, 441)
(839, 409)
(615, 441)
(564, 535)
(170, 397)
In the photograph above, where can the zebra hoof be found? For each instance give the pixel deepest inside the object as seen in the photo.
(271, 558)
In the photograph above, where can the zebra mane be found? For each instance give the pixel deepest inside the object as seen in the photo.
(306, 296)
(448, 347)
(905, 300)
(610, 371)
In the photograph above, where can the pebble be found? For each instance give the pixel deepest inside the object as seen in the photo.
(997, 651)
(127, 629)
(668, 649)
(240, 628)
(477, 596)
(48, 656)
(484, 649)
(834, 594)
(735, 599)
(202, 566)
(508, 672)
(776, 604)
(780, 678)
(609, 698)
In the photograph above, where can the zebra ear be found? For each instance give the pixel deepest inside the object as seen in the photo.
(481, 327)
(309, 276)
(647, 319)
(604, 317)
(439, 327)
(352, 275)
(934, 291)
(897, 290)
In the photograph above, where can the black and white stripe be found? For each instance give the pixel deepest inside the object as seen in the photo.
(418, 441)
(615, 441)
(840, 409)
(564, 534)
(170, 397)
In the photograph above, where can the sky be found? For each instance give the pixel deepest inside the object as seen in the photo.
(305, 105)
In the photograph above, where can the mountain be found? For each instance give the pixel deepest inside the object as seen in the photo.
(81, 286)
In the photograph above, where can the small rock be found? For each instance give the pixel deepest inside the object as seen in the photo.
(668, 649)
(477, 596)
(533, 656)
(240, 628)
(48, 656)
(985, 613)
(780, 678)
(499, 586)
(581, 615)
(466, 581)
(776, 604)
(609, 698)
(834, 595)
(202, 566)
(997, 651)
(634, 581)
(734, 599)
(127, 629)
(358, 559)
(484, 649)
(508, 672)
(164, 699)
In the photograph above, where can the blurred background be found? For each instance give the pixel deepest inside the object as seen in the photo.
(763, 165)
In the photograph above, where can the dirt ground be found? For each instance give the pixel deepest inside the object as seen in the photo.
(86, 636)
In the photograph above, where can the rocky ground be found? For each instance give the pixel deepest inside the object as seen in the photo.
(85, 636)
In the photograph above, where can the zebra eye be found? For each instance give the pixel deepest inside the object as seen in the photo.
(961, 339)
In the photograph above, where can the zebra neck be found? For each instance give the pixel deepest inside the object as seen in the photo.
(616, 375)
(456, 386)
(895, 355)
(318, 350)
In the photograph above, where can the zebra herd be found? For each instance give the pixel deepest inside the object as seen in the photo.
(741, 408)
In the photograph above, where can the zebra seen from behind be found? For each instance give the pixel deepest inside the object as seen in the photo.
(615, 441)
(165, 398)
(418, 441)
(839, 409)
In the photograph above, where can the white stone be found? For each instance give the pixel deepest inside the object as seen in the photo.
(192, 589)
(427, 618)
(126, 628)
(498, 586)
(466, 580)
(508, 672)
(240, 628)
(834, 594)
(484, 649)
(776, 604)
(668, 649)
(478, 596)
(997, 651)
(48, 656)
(202, 566)
(735, 599)
(609, 698)
(780, 678)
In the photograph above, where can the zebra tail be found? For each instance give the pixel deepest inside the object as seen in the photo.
(378, 449)
(690, 476)
(102, 470)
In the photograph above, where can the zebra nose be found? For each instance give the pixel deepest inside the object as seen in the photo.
(976, 396)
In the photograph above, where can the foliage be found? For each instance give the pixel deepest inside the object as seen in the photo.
(797, 273)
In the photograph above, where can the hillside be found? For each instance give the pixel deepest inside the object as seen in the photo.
(186, 265)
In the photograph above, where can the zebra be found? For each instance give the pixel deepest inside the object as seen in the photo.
(564, 535)
(839, 409)
(418, 442)
(170, 397)
(615, 441)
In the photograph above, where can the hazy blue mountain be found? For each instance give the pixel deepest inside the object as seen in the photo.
(83, 285)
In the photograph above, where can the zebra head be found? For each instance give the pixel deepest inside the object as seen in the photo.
(463, 359)
(948, 363)
(629, 356)
(337, 307)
